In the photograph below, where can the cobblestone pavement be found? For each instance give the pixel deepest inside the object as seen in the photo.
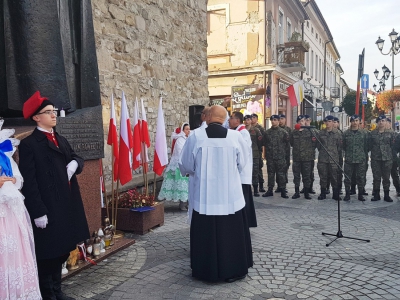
(291, 260)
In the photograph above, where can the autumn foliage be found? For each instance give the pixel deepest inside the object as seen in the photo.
(386, 100)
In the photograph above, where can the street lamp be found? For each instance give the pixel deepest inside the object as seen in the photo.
(385, 76)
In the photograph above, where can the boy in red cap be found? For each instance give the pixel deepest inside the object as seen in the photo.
(52, 197)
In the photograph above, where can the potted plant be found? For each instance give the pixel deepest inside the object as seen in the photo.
(138, 212)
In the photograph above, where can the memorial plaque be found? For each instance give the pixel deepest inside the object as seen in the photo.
(84, 131)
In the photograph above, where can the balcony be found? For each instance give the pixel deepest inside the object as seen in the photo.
(291, 56)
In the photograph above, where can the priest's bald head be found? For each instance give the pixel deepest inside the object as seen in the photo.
(216, 114)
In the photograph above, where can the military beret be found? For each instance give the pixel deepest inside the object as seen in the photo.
(328, 118)
(336, 119)
(35, 104)
(307, 117)
(381, 117)
(282, 116)
(254, 116)
(274, 117)
(354, 117)
(300, 117)
(247, 117)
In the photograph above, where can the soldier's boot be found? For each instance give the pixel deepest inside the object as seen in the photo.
(322, 196)
(360, 194)
(327, 191)
(278, 190)
(306, 193)
(261, 189)
(375, 195)
(398, 191)
(302, 190)
(296, 192)
(269, 193)
(335, 194)
(364, 192)
(387, 197)
(347, 197)
(284, 193)
(353, 189)
(311, 190)
(255, 190)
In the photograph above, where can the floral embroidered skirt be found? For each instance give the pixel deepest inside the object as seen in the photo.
(175, 187)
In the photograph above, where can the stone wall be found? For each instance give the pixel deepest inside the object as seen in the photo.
(150, 48)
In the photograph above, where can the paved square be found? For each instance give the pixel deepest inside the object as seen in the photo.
(291, 260)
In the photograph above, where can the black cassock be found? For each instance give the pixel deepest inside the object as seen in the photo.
(220, 246)
(48, 192)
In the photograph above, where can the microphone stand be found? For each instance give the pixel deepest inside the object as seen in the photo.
(339, 234)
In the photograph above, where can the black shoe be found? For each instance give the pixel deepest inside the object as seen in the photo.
(311, 191)
(353, 189)
(322, 196)
(302, 191)
(335, 194)
(233, 279)
(278, 190)
(364, 193)
(387, 197)
(347, 197)
(255, 190)
(296, 193)
(306, 194)
(398, 193)
(327, 192)
(361, 197)
(284, 193)
(268, 193)
(261, 189)
(375, 195)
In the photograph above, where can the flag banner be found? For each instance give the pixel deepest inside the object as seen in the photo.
(125, 144)
(113, 138)
(296, 93)
(145, 139)
(102, 185)
(160, 146)
(137, 147)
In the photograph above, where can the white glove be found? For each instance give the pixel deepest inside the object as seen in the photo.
(41, 222)
(71, 168)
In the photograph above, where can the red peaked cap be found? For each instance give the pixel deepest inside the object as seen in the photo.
(34, 104)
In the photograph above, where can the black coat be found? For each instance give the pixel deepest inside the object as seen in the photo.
(47, 192)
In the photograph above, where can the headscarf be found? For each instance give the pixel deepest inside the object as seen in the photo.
(178, 132)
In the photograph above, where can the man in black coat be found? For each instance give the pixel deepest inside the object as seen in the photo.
(52, 197)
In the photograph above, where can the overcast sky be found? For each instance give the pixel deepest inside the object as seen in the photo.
(356, 24)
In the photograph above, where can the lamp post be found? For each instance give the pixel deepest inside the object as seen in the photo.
(394, 50)
(382, 80)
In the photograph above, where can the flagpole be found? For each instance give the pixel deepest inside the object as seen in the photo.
(154, 184)
(116, 205)
(105, 189)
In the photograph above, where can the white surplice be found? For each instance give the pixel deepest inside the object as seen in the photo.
(214, 165)
(247, 172)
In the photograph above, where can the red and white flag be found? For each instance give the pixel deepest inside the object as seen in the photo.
(160, 147)
(113, 138)
(145, 139)
(125, 144)
(137, 144)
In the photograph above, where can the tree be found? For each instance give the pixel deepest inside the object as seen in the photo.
(349, 106)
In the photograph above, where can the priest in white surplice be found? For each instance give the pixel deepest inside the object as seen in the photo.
(220, 244)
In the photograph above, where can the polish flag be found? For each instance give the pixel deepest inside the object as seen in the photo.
(160, 147)
(113, 138)
(296, 93)
(145, 139)
(125, 145)
(137, 145)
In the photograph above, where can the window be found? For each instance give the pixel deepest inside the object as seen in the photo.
(312, 29)
(289, 30)
(312, 64)
(306, 63)
(280, 26)
(308, 24)
(316, 36)
(316, 67)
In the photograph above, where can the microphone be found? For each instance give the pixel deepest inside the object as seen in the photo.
(307, 127)
(297, 127)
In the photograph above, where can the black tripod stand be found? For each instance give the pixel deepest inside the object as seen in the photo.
(339, 234)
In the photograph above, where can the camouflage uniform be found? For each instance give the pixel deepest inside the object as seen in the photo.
(303, 150)
(260, 163)
(355, 148)
(287, 156)
(394, 172)
(276, 143)
(327, 168)
(256, 144)
(380, 144)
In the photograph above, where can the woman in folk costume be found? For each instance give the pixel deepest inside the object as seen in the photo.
(18, 270)
(175, 187)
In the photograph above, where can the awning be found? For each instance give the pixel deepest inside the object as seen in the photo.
(305, 99)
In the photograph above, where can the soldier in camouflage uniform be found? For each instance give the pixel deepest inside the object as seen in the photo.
(314, 132)
(394, 173)
(276, 143)
(282, 124)
(355, 148)
(256, 144)
(254, 122)
(380, 144)
(303, 150)
(328, 158)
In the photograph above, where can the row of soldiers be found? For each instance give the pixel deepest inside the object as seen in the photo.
(340, 154)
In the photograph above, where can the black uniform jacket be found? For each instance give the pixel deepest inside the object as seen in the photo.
(48, 192)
